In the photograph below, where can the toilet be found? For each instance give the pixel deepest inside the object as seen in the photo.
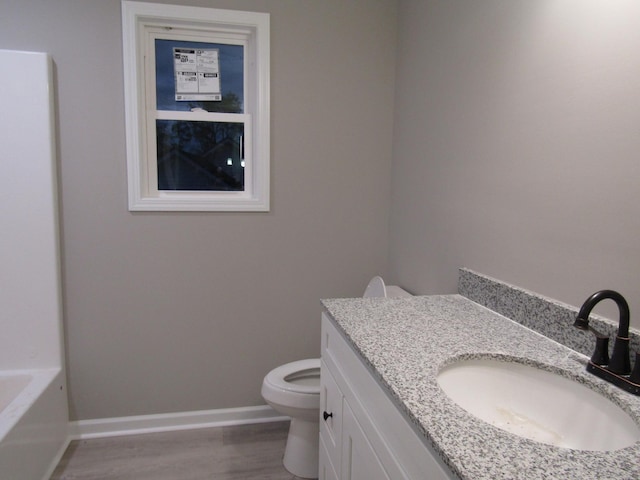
(293, 389)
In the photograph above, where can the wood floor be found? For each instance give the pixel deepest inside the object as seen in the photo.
(248, 452)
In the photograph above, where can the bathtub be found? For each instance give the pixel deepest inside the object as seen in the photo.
(33, 426)
(33, 397)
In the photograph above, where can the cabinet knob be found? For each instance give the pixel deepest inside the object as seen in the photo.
(326, 415)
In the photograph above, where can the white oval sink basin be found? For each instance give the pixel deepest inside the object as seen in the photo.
(538, 405)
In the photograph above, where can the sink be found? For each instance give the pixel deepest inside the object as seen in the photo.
(538, 404)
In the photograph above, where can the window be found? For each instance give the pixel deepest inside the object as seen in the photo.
(197, 108)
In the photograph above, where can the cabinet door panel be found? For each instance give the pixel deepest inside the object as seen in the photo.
(359, 460)
(325, 467)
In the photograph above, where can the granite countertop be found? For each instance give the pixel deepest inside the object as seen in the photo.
(406, 341)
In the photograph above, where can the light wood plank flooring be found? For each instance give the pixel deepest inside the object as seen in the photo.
(247, 452)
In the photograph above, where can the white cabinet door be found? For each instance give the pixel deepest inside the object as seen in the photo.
(330, 414)
(359, 460)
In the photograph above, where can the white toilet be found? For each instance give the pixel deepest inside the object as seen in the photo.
(293, 389)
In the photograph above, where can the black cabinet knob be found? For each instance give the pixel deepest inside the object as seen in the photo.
(326, 415)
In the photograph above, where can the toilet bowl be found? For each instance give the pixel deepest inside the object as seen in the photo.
(293, 389)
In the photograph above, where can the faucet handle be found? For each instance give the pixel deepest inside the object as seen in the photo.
(635, 375)
(601, 353)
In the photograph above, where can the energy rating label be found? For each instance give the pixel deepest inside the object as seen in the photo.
(197, 74)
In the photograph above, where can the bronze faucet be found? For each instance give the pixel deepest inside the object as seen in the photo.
(617, 369)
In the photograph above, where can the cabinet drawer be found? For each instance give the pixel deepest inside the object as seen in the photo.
(333, 346)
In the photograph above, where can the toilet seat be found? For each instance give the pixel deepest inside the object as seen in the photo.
(376, 288)
(302, 377)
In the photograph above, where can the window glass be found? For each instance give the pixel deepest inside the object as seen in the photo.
(200, 155)
(230, 72)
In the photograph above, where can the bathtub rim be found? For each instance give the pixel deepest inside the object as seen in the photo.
(16, 384)
(41, 379)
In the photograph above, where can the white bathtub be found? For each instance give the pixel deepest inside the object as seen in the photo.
(33, 426)
(33, 397)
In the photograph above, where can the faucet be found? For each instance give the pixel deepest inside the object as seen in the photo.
(616, 370)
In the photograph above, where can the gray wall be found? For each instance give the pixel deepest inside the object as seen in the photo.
(515, 154)
(516, 146)
(186, 311)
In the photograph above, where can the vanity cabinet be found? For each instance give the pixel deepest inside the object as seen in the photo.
(363, 435)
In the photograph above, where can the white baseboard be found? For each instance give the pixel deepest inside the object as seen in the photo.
(110, 427)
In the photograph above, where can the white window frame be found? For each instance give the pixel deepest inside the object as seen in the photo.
(142, 23)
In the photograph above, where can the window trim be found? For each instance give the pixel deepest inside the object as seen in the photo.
(250, 29)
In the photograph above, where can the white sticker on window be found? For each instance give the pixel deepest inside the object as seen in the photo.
(197, 74)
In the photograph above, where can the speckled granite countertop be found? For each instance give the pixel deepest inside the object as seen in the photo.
(406, 341)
